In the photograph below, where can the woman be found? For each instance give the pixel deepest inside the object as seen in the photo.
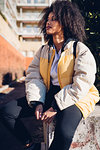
(59, 81)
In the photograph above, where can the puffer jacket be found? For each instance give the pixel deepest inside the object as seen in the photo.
(76, 77)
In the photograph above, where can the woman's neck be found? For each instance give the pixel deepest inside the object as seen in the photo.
(58, 41)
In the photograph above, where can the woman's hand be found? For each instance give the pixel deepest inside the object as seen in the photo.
(38, 111)
(48, 115)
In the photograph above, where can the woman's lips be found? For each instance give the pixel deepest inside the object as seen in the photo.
(48, 27)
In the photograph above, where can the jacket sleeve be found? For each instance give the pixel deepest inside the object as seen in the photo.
(83, 79)
(35, 88)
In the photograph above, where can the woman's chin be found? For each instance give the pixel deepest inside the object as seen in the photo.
(49, 32)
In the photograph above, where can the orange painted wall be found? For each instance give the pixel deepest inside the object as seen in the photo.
(28, 61)
(12, 62)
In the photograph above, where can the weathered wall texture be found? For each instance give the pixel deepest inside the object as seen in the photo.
(12, 63)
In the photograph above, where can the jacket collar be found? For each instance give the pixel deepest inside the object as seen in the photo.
(65, 46)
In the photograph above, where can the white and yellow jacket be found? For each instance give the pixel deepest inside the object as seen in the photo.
(76, 77)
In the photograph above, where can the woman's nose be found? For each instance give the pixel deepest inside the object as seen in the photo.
(49, 21)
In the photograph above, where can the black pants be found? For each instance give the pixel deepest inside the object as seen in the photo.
(66, 124)
(11, 114)
(67, 120)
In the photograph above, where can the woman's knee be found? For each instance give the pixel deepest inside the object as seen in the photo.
(11, 110)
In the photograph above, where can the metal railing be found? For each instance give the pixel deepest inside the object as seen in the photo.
(33, 2)
(28, 18)
(13, 6)
(29, 32)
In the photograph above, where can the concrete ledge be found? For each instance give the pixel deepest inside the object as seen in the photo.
(87, 135)
(3, 88)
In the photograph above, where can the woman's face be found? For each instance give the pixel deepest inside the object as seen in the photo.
(53, 27)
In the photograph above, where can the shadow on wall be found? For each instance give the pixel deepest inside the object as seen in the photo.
(8, 78)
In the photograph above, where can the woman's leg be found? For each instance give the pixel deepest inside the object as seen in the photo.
(67, 122)
(9, 115)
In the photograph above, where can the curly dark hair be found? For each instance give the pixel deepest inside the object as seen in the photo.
(69, 16)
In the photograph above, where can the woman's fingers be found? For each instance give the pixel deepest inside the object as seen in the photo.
(38, 111)
(37, 114)
(48, 116)
(44, 116)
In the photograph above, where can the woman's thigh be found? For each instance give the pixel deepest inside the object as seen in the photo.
(67, 122)
(68, 119)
